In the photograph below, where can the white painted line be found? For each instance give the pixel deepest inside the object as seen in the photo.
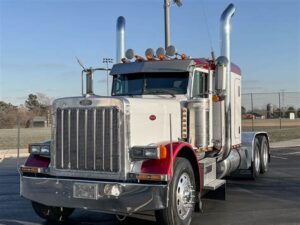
(292, 153)
(278, 157)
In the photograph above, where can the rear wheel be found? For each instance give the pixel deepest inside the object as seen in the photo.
(264, 154)
(181, 196)
(50, 213)
(255, 169)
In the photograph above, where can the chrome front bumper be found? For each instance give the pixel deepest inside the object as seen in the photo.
(60, 192)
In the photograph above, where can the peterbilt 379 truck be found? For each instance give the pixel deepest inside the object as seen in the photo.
(169, 135)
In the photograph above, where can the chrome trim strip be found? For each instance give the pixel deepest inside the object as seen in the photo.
(103, 137)
(85, 138)
(77, 138)
(110, 139)
(62, 138)
(69, 137)
(94, 138)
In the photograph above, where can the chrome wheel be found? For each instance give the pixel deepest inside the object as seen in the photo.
(257, 162)
(184, 195)
(265, 154)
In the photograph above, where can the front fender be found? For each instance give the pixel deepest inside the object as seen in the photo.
(163, 166)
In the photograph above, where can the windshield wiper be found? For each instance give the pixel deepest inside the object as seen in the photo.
(160, 91)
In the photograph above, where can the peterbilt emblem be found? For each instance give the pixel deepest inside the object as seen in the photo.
(152, 117)
(85, 102)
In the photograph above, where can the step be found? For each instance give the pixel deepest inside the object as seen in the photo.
(215, 184)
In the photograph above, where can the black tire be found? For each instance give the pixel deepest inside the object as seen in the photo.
(264, 154)
(50, 213)
(255, 168)
(176, 213)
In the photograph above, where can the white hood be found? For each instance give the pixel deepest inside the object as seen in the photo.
(143, 130)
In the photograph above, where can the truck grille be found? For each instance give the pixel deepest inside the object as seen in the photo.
(88, 139)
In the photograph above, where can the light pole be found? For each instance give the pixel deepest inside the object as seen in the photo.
(107, 61)
(167, 4)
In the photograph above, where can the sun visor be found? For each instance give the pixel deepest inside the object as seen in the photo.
(152, 67)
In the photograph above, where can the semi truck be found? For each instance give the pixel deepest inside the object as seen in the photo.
(167, 137)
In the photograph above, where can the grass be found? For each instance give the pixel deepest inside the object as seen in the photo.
(277, 134)
(9, 137)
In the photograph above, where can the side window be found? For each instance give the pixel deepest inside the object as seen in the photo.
(200, 84)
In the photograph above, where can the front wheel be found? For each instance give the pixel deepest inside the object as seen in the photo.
(50, 213)
(181, 196)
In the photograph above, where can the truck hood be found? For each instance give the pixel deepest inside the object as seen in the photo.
(149, 120)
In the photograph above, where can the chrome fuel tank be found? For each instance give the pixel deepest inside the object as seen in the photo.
(199, 122)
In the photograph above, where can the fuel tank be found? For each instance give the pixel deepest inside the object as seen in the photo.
(199, 122)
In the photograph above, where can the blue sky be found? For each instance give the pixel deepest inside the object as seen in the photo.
(39, 40)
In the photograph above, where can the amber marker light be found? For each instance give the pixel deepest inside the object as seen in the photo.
(149, 57)
(154, 177)
(163, 151)
(161, 57)
(216, 98)
(183, 56)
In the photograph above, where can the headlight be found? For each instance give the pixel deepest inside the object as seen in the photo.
(34, 149)
(39, 149)
(148, 152)
(45, 150)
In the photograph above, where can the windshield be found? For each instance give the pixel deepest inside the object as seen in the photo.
(150, 83)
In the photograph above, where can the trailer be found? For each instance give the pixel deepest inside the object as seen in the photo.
(167, 137)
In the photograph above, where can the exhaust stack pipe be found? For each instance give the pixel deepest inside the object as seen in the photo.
(225, 30)
(120, 39)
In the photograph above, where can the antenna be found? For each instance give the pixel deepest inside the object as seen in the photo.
(80, 63)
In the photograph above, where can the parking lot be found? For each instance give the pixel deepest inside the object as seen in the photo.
(274, 198)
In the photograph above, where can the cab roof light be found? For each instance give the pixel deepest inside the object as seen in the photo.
(160, 53)
(139, 58)
(129, 54)
(149, 53)
(171, 51)
(183, 56)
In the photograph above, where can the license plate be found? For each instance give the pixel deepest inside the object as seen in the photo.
(85, 191)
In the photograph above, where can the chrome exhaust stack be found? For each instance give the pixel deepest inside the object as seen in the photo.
(120, 39)
(229, 160)
(225, 28)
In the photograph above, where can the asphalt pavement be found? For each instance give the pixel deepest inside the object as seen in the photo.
(272, 199)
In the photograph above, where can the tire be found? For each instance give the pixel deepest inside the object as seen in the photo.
(264, 154)
(255, 168)
(50, 213)
(177, 212)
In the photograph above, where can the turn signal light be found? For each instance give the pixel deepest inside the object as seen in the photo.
(31, 169)
(153, 177)
(163, 152)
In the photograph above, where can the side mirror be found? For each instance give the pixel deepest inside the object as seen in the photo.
(220, 73)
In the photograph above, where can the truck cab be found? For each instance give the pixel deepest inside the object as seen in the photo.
(169, 134)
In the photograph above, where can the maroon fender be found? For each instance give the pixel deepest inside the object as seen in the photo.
(163, 166)
(37, 161)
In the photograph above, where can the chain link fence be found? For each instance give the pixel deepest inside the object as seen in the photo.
(277, 113)
(271, 110)
(19, 127)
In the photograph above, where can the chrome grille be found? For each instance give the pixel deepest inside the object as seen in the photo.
(88, 139)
